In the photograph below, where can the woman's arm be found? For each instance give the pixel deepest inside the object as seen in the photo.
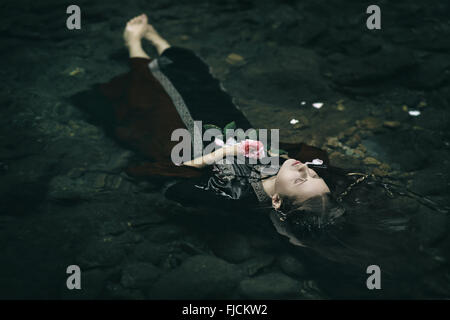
(272, 154)
(213, 157)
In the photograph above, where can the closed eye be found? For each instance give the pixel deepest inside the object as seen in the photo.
(314, 175)
(300, 180)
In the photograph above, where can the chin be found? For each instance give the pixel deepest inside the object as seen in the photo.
(286, 165)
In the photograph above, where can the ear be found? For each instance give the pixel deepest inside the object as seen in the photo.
(276, 201)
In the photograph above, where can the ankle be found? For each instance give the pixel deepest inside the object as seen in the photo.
(133, 42)
(135, 50)
(161, 47)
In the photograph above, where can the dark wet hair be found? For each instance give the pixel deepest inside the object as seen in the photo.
(368, 220)
(308, 219)
(384, 224)
(365, 200)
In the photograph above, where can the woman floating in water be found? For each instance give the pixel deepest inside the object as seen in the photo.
(161, 95)
(158, 96)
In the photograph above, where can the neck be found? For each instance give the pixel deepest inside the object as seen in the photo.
(269, 185)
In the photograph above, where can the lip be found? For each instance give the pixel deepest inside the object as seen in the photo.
(295, 163)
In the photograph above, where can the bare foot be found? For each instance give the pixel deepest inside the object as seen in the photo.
(153, 36)
(135, 29)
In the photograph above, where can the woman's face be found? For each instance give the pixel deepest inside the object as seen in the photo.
(296, 180)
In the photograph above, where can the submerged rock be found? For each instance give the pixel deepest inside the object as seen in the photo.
(150, 252)
(430, 182)
(430, 227)
(199, 277)
(354, 140)
(369, 123)
(430, 73)
(371, 161)
(270, 286)
(103, 253)
(346, 162)
(310, 290)
(291, 266)
(366, 70)
(333, 142)
(235, 59)
(139, 275)
(391, 124)
(232, 247)
(256, 264)
(164, 233)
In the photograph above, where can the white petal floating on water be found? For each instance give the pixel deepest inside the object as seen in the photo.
(317, 105)
(303, 103)
(294, 121)
(316, 162)
(414, 113)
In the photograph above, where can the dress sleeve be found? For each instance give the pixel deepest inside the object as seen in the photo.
(191, 194)
(212, 191)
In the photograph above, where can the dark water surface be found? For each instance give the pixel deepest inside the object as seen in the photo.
(64, 198)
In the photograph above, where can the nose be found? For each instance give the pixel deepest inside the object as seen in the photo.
(304, 170)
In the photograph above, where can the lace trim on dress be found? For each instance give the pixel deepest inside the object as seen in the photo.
(258, 187)
(179, 104)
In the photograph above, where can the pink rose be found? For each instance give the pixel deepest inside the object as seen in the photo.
(251, 149)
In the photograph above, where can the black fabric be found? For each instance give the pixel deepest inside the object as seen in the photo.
(201, 92)
(217, 190)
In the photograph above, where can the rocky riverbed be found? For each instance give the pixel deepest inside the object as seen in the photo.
(64, 199)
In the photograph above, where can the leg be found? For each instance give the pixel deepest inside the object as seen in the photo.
(133, 33)
(153, 36)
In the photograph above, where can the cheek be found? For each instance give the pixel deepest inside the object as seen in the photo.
(282, 184)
